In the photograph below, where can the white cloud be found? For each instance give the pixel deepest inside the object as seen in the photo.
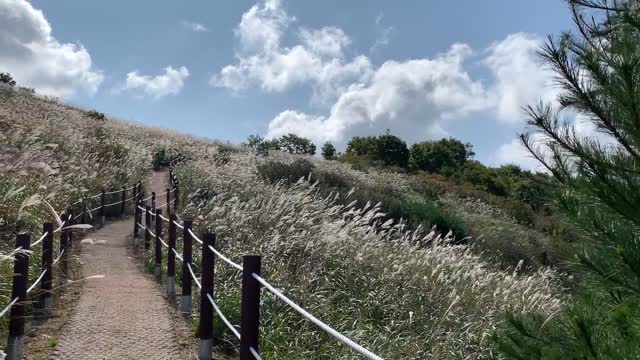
(36, 59)
(382, 40)
(520, 78)
(194, 26)
(515, 153)
(169, 83)
(317, 59)
(409, 98)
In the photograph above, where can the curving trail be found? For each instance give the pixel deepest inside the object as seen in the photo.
(122, 315)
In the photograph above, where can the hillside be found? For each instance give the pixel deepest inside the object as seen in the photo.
(402, 289)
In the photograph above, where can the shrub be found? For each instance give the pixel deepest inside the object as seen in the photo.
(329, 151)
(275, 171)
(385, 149)
(5, 78)
(433, 156)
(96, 115)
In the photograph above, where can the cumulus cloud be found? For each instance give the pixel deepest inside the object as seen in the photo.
(317, 58)
(519, 76)
(193, 26)
(410, 98)
(169, 83)
(515, 153)
(36, 59)
(383, 37)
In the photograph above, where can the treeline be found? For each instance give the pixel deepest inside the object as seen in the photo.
(448, 157)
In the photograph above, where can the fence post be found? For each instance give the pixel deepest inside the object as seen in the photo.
(171, 260)
(205, 329)
(102, 214)
(153, 205)
(176, 196)
(64, 253)
(15, 342)
(250, 307)
(124, 198)
(46, 298)
(147, 224)
(185, 300)
(168, 201)
(158, 246)
(135, 220)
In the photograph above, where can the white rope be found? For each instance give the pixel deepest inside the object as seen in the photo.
(225, 258)
(178, 217)
(177, 255)
(113, 192)
(58, 258)
(141, 208)
(140, 225)
(151, 233)
(115, 203)
(194, 276)
(224, 319)
(150, 196)
(164, 218)
(195, 237)
(161, 206)
(37, 281)
(164, 193)
(79, 215)
(40, 240)
(345, 340)
(254, 353)
(163, 243)
(60, 227)
(13, 302)
(96, 208)
(177, 224)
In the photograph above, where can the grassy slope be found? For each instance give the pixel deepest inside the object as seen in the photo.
(403, 293)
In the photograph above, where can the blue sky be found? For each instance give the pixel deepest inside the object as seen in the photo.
(327, 70)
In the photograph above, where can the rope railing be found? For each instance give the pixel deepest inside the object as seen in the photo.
(193, 276)
(226, 259)
(8, 307)
(223, 318)
(40, 240)
(35, 283)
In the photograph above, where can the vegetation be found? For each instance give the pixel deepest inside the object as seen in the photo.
(384, 149)
(436, 156)
(329, 151)
(290, 143)
(596, 187)
(5, 78)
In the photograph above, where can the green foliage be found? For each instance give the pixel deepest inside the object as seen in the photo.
(290, 143)
(275, 171)
(434, 156)
(164, 157)
(5, 78)
(596, 187)
(384, 149)
(329, 151)
(96, 115)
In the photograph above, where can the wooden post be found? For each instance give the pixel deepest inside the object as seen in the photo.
(102, 215)
(168, 201)
(46, 298)
(15, 343)
(250, 307)
(64, 250)
(158, 245)
(70, 221)
(147, 224)
(171, 260)
(153, 205)
(176, 196)
(185, 300)
(122, 203)
(136, 211)
(205, 329)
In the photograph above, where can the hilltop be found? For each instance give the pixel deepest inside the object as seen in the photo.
(355, 244)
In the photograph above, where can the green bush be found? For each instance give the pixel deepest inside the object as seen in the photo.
(274, 171)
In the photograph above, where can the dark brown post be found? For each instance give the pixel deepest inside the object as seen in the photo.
(171, 260)
(168, 201)
(153, 205)
(176, 196)
(102, 214)
(46, 298)
(122, 203)
(136, 211)
(250, 307)
(15, 342)
(147, 224)
(158, 245)
(185, 300)
(64, 251)
(205, 329)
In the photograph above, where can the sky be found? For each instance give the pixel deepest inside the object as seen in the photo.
(327, 70)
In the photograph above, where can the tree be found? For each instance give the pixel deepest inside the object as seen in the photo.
(5, 78)
(295, 144)
(434, 156)
(386, 149)
(328, 151)
(596, 182)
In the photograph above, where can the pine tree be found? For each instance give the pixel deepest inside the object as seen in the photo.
(329, 151)
(598, 186)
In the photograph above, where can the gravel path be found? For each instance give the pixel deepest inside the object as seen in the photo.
(121, 315)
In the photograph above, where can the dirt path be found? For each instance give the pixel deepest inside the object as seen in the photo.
(121, 315)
